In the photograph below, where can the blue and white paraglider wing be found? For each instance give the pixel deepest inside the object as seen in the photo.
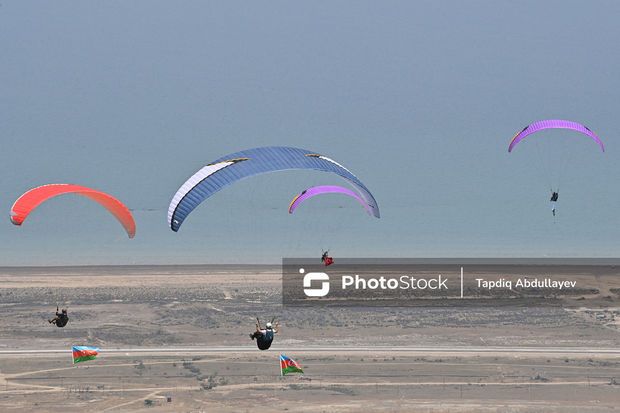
(234, 167)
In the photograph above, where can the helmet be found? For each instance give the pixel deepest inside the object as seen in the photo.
(268, 326)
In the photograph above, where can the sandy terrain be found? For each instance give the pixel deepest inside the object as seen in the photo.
(210, 311)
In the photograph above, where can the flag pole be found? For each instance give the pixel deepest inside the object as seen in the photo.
(281, 370)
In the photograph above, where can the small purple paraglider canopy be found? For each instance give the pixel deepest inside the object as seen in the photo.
(325, 189)
(553, 124)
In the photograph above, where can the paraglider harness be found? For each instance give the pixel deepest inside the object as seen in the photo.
(554, 196)
(61, 319)
(326, 259)
(264, 339)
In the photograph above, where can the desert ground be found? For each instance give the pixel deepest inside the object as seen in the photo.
(176, 339)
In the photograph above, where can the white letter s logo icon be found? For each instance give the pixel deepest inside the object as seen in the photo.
(316, 292)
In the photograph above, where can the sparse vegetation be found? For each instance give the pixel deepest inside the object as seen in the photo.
(540, 378)
(342, 390)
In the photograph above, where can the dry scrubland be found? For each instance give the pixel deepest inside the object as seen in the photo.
(214, 307)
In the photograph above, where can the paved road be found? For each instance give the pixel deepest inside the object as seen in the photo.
(334, 349)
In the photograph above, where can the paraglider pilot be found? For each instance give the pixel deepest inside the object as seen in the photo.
(264, 337)
(326, 259)
(554, 199)
(61, 318)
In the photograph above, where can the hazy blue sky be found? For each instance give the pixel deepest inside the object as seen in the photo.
(418, 98)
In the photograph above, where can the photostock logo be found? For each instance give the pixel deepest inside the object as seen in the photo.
(315, 276)
(442, 282)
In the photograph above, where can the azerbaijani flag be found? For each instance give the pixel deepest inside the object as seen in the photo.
(288, 365)
(84, 353)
